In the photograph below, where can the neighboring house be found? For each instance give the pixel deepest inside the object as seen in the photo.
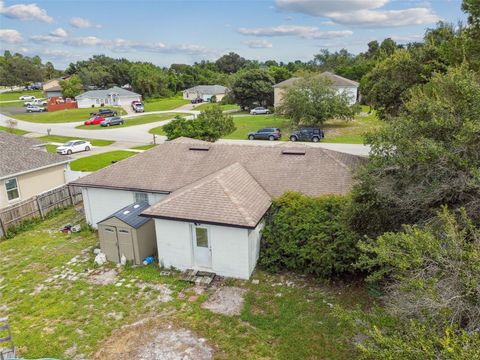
(205, 92)
(52, 87)
(209, 200)
(26, 169)
(339, 83)
(115, 96)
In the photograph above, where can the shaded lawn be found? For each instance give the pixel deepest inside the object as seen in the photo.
(61, 116)
(99, 161)
(13, 131)
(64, 139)
(137, 120)
(164, 104)
(14, 95)
(284, 316)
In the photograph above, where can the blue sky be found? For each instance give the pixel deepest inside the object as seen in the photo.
(166, 32)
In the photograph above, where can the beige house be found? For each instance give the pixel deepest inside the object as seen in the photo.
(339, 83)
(26, 169)
(52, 87)
(205, 92)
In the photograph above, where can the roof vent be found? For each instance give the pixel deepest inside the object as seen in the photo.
(126, 212)
(293, 152)
(199, 148)
(136, 206)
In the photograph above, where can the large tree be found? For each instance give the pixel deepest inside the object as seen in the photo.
(230, 63)
(253, 87)
(425, 158)
(313, 100)
(71, 87)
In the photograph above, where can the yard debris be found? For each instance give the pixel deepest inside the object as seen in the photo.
(255, 281)
(97, 251)
(123, 260)
(154, 339)
(165, 292)
(148, 260)
(227, 300)
(103, 277)
(165, 273)
(100, 259)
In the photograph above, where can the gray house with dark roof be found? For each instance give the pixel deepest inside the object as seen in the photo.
(26, 169)
(208, 200)
(115, 96)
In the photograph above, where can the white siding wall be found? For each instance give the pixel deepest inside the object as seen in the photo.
(254, 237)
(100, 203)
(351, 92)
(231, 252)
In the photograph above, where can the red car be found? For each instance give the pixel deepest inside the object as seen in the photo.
(94, 120)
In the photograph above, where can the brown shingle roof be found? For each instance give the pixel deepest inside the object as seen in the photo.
(229, 196)
(336, 80)
(18, 155)
(173, 165)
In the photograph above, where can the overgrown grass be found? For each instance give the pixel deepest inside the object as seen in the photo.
(64, 139)
(137, 120)
(164, 103)
(284, 316)
(13, 131)
(99, 161)
(14, 95)
(63, 116)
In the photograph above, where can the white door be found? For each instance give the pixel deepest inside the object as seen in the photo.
(202, 251)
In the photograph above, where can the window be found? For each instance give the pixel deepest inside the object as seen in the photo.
(141, 197)
(201, 237)
(12, 189)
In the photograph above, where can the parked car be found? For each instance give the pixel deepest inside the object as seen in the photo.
(74, 146)
(94, 120)
(36, 102)
(265, 134)
(104, 113)
(138, 107)
(26, 97)
(197, 101)
(259, 110)
(115, 120)
(35, 108)
(307, 134)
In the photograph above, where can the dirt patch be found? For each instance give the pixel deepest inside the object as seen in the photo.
(103, 277)
(226, 300)
(152, 339)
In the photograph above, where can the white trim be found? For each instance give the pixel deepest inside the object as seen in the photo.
(17, 199)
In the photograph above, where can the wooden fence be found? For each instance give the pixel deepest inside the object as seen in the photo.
(38, 206)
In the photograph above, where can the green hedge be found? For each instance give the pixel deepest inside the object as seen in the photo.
(309, 235)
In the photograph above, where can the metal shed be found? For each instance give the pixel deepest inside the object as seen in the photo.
(127, 233)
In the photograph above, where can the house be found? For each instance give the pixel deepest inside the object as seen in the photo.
(26, 169)
(115, 96)
(52, 87)
(208, 200)
(339, 83)
(205, 92)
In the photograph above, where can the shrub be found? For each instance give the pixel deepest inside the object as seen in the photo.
(308, 234)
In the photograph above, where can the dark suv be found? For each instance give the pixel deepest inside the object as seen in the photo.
(266, 134)
(114, 120)
(104, 113)
(307, 134)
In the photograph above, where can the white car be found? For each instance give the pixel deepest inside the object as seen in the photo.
(74, 146)
(34, 108)
(259, 110)
(27, 97)
(35, 102)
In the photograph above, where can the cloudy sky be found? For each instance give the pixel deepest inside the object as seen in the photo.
(166, 32)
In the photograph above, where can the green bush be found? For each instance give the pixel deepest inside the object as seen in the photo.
(309, 235)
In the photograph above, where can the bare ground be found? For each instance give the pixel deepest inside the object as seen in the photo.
(227, 300)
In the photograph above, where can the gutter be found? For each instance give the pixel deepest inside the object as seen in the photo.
(32, 170)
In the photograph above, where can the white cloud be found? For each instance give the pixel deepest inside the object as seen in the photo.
(10, 36)
(25, 12)
(258, 44)
(82, 23)
(59, 33)
(367, 13)
(306, 32)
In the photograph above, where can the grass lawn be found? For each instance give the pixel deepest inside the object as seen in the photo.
(55, 309)
(62, 116)
(14, 95)
(248, 123)
(164, 104)
(13, 131)
(99, 161)
(137, 120)
(64, 139)
(223, 107)
(157, 131)
(144, 147)
(16, 103)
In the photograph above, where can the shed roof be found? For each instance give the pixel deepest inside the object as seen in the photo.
(19, 154)
(130, 215)
(336, 80)
(94, 94)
